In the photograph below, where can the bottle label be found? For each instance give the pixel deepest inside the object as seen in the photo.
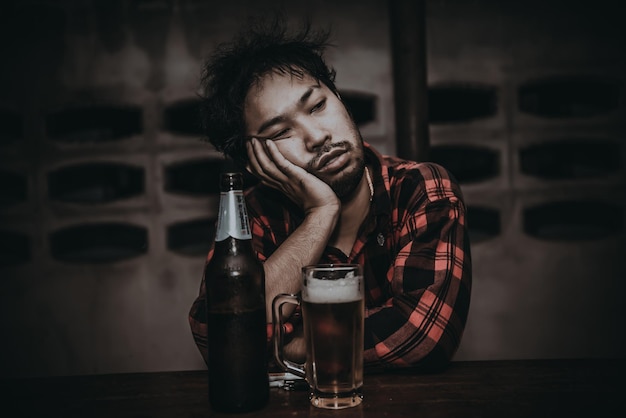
(232, 220)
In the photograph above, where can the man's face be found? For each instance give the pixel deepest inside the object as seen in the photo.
(310, 126)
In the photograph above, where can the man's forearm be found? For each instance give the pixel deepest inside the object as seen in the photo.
(303, 247)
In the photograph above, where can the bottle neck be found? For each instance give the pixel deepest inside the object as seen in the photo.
(232, 219)
(233, 246)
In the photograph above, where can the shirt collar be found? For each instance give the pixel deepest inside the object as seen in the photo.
(381, 202)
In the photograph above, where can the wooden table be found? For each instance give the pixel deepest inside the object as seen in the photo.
(503, 389)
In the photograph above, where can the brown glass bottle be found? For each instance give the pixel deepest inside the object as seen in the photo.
(235, 298)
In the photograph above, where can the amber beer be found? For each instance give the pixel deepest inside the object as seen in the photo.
(235, 302)
(333, 327)
(332, 311)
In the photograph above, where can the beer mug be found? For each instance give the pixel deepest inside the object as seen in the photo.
(332, 307)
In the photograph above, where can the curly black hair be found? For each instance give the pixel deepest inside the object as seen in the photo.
(260, 47)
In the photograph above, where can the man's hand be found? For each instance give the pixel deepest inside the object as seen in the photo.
(295, 350)
(274, 170)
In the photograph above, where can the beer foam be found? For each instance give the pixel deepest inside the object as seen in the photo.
(333, 291)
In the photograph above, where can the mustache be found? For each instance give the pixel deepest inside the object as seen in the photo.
(325, 149)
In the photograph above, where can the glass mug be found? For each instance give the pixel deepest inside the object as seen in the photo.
(332, 306)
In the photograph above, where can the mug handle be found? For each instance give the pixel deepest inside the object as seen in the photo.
(278, 337)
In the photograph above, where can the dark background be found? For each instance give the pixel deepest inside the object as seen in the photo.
(108, 195)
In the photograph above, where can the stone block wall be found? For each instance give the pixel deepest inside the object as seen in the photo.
(108, 195)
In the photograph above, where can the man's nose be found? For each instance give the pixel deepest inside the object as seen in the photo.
(316, 136)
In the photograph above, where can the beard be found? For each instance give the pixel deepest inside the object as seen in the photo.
(345, 186)
(345, 183)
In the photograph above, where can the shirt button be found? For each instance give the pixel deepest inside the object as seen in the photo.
(380, 238)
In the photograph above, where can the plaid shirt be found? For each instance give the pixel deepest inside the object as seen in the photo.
(415, 253)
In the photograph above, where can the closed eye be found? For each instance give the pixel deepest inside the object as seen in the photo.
(318, 106)
(280, 134)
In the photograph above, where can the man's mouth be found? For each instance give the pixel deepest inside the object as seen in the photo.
(333, 160)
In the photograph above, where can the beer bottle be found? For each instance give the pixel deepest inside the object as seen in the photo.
(235, 299)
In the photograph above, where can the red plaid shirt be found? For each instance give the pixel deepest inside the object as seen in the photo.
(415, 253)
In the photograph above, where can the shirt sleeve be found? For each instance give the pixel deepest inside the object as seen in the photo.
(198, 316)
(421, 324)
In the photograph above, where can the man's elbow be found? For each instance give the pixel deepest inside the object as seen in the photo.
(436, 361)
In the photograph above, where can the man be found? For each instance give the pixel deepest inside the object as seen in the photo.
(326, 196)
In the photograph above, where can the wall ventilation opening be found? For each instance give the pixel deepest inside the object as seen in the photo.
(576, 220)
(95, 183)
(183, 118)
(11, 127)
(13, 188)
(94, 124)
(14, 249)
(362, 106)
(456, 103)
(569, 97)
(469, 164)
(191, 238)
(483, 223)
(571, 159)
(195, 178)
(201, 177)
(98, 243)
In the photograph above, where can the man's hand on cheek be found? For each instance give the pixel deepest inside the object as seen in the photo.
(274, 170)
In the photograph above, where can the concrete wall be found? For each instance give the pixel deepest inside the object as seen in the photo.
(547, 294)
(120, 304)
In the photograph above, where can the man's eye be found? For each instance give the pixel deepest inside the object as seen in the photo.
(318, 106)
(280, 134)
